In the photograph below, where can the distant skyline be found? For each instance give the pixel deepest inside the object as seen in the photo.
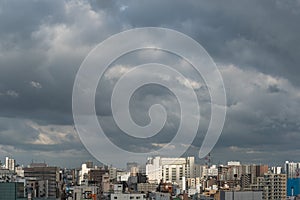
(256, 45)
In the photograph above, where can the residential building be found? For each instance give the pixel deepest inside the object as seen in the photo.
(272, 185)
(45, 176)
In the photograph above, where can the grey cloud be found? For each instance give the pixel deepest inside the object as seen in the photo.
(256, 43)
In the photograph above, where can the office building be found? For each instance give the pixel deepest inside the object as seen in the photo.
(170, 170)
(10, 164)
(41, 175)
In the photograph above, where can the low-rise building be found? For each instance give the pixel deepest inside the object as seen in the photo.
(240, 195)
(129, 196)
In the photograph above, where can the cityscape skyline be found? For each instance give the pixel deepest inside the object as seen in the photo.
(159, 177)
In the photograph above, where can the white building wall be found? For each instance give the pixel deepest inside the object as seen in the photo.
(170, 169)
(83, 173)
(154, 170)
(10, 164)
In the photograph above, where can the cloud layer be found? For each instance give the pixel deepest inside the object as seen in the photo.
(256, 44)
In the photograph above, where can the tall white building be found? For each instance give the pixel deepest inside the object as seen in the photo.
(154, 169)
(292, 169)
(83, 174)
(170, 169)
(10, 164)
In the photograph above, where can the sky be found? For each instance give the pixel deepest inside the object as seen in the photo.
(255, 44)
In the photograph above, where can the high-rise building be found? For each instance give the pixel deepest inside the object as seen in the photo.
(170, 169)
(292, 171)
(272, 185)
(44, 175)
(10, 164)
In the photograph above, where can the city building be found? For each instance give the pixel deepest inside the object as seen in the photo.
(240, 195)
(105, 185)
(292, 171)
(95, 176)
(113, 174)
(10, 164)
(19, 171)
(276, 170)
(170, 169)
(85, 192)
(146, 187)
(40, 176)
(237, 175)
(83, 173)
(6, 175)
(159, 196)
(127, 196)
(293, 186)
(273, 186)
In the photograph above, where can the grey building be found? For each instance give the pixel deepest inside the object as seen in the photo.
(240, 195)
(47, 176)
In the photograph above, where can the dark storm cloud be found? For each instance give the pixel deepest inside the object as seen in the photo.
(42, 45)
(45, 47)
(262, 35)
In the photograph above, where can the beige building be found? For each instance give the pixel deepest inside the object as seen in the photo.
(146, 187)
(272, 185)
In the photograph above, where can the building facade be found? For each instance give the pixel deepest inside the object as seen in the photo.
(170, 170)
(272, 185)
(10, 163)
(48, 177)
